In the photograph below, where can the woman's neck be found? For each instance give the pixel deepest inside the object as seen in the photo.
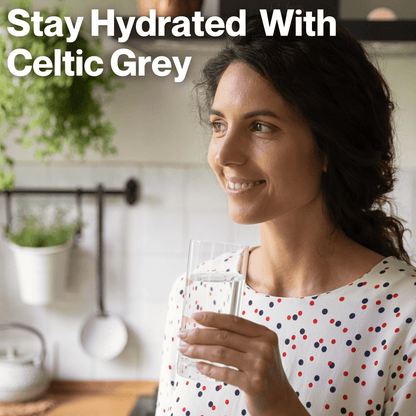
(304, 255)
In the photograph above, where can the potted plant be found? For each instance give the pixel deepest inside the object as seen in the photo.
(42, 256)
(56, 114)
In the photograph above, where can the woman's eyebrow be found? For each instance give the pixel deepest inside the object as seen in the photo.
(251, 114)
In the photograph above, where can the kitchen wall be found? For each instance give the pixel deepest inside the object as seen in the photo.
(161, 144)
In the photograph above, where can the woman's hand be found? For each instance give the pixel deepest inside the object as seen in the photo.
(252, 349)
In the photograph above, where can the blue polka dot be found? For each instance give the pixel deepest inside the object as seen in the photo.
(200, 394)
(323, 349)
(352, 315)
(244, 412)
(408, 320)
(325, 311)
(237, 392)
(396, 310)
(378, 328)
(388, 297)
(261, 313)
(271, 304)
(217, 388)
(381, 310)
(332, 389)
(250, 302)
(300, 362)
(405, 357)
(316, 378)
(316, 345)
(279, 325)
(383, 342)
(198, 385)
(367, 353)
(287, 341)
(381, 373)
(302, 331)
(337, 323)
(210, 404)
(365, 300)
(308, 404)
(386, 284)
(358, 337)
(294, 317)
(349, 342)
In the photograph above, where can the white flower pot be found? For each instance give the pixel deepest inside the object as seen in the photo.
(42, 271)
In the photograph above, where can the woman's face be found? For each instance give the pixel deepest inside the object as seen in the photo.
(262, 150)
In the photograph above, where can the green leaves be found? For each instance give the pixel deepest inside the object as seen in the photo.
(56, 114)
(35, 234)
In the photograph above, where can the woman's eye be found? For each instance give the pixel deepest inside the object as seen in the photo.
(217, 127)
(262, 128)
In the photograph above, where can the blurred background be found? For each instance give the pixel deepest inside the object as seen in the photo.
(161, 144)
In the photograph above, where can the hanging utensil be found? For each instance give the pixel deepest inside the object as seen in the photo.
(103, 336)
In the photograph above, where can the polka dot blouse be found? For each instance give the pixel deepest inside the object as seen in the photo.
(350, 351)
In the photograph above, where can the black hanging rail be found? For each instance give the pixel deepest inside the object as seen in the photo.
(130, 193)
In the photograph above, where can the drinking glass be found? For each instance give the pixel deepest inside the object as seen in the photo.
(215, 278)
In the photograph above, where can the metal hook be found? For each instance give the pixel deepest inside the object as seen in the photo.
(78, 194)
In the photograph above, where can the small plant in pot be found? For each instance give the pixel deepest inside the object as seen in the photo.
(42, 256)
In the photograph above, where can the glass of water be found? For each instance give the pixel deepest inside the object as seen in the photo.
(215, 278)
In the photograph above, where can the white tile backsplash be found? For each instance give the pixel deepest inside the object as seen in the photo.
(145, 248)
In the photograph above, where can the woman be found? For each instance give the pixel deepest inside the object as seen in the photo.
(302, 144)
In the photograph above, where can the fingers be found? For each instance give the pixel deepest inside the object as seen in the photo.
(217, 354)
(231, 323)
(208, 336)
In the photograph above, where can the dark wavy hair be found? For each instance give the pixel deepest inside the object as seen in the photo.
(346, 102)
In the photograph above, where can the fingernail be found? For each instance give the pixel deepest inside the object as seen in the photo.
(182, 334)
(197, 316)
(183, 348)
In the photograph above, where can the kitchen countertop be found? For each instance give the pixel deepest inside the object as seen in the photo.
(98, 398)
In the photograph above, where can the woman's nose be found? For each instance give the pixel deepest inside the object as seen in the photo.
(231, 149)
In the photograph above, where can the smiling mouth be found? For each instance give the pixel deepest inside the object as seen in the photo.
(241, 186)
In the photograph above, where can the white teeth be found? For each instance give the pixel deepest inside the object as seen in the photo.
(238, 185)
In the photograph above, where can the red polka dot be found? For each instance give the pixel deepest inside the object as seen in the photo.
(353, 349)
(345, 330)
(371, 329)
(300, 374)
(311, 358)
(375, 362)
(293, 336)
(397, 330)
(293, 347)
(333, 341)
(364, 307)
(310, 385)
(184, 409)
(305, 336)
(311, 303)
(213, 407)
(227, 401)
(204, 388)
(409, 360)
(243, 313)
(376, 286)
(321, 340)
(300, 313)
(332, 321)
(408, 396)
(391, 399)
(370, 402)
(395, 295)
(327, 406)
(374, 349)
(384, 325)
(256, 310)
(363, 366)
(330, 381)
(378, 302)
(345, 373)
(315, 321)
(289, 317)
(268, 319)
(345, 397)
(341, 299)
(363, 383)
(284, 354)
